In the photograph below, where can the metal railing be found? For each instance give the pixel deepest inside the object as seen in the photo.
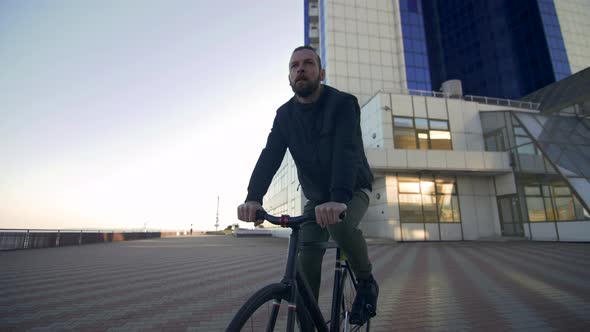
(11, 239)
(478, 99)
(503, 102)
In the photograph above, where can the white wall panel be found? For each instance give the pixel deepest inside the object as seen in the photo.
(469, 226)
(436, 159)
(543, 231)
(471, 121)
(485, 216)
(436, 108)
(432, 232)
(401, 105)
(456, 160)
(397, 158)
(474, 160)
(419, 107)
(574, 231)
(455, 119)
(417, 159)
(450, 232)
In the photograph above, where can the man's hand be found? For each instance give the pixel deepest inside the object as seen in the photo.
(329, 213)
(247, 212)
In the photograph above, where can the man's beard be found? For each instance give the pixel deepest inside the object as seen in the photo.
(306, 89)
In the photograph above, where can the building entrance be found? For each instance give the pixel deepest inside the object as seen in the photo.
(510, 217)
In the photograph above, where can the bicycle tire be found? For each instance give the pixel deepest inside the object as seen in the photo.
(347, 294)
(256, 313)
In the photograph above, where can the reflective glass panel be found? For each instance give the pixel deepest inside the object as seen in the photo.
(429, 207)
(522, 140)
(536, 209)
(439, 124)
(423, 140)
(546, 191)
(532, 191)
(561, 191)
(581, 213)
(440, 140)
(427, 187)
(456, 213)
(410, 208)
(490, 142)
(445, 188)
(519, 131)
(404, 138)
(445, 208)
(526, 149)
(421, 123)
(565, 208)
(409, 187)
(403, 122)
(549, 209)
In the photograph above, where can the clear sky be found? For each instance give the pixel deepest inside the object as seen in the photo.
(114, 114)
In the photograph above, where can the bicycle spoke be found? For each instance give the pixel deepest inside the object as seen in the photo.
(267, 310)
(348, 295)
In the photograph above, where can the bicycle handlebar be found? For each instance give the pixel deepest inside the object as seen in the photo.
(288, 221)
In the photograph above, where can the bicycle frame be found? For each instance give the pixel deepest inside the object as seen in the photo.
(297, 285)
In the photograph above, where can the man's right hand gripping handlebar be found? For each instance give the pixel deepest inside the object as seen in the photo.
(247, 212)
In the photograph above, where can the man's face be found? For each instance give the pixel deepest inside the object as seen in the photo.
(305, 75)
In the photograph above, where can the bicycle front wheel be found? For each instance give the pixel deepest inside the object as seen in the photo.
(267, 310)
(348, 289)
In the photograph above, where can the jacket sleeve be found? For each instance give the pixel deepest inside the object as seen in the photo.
(267, 165)
(345, 154)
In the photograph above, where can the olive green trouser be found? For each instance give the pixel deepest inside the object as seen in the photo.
(346, 234)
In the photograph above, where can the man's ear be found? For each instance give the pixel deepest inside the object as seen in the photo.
(322, 75)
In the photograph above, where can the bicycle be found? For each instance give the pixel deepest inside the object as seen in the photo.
(264, 311)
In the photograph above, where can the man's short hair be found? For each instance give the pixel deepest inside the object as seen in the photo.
(307, 47)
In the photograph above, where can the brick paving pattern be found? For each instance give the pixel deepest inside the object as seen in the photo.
(198, 283)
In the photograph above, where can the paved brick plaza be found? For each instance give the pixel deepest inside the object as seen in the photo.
(197, 283)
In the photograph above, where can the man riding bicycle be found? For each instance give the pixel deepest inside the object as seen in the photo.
(321, 128)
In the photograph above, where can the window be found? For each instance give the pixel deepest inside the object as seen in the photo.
(552, 202)
(428, 200)
(523, 143)
(421, 133)
(495, 140)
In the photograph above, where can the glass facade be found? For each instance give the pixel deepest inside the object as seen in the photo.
(550, 200)
(421, 133)
(561, 66)
(501, 48)
(414, 39)
(551, 159)
(428, 199)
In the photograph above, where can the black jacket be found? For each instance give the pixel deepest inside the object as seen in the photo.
(326, 147)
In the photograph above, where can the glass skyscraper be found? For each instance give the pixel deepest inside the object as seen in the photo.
(496, 48)
(499, 48)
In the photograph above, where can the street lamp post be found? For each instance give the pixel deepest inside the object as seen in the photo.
(217, 216)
